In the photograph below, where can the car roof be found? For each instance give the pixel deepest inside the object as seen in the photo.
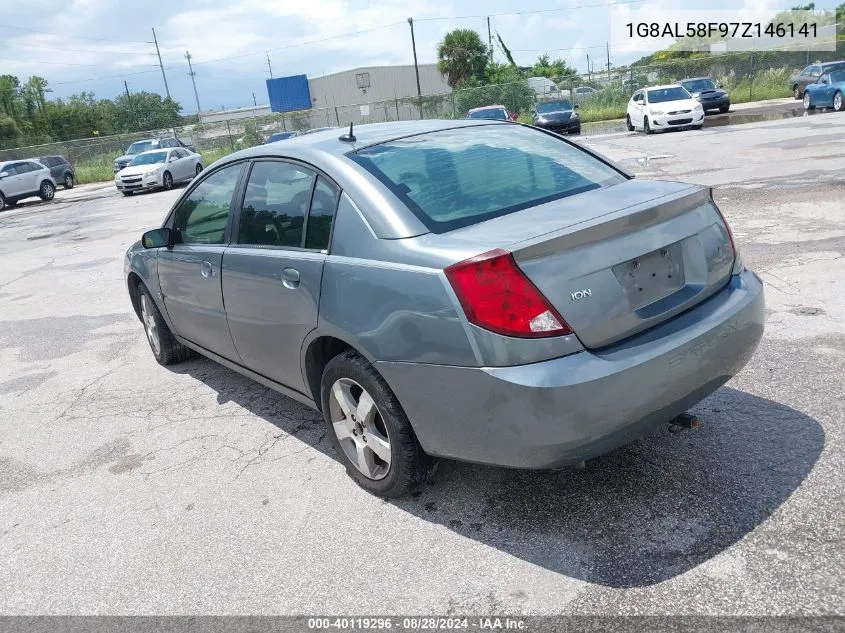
(155, 151)
(327, 142)
(490, 107)
(663, 87)
(839, 63)
(695, 79)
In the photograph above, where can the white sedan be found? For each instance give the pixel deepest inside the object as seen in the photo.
(663, 108)
(158, 169)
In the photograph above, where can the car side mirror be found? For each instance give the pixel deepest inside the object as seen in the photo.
(157, 238)
(576, 106)
(4, 174)
(721, 87)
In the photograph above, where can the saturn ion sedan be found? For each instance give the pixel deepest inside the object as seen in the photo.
(158, 169)
(504, 297)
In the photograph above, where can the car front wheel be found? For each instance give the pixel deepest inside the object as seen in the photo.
(837, 102)
(47, 191)
(796, 91)
(166, 349)
(807, 103)
(369, 428)
(68, 181)
(628, 123)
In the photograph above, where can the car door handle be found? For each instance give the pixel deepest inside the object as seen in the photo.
(207, 269)
(290, 278)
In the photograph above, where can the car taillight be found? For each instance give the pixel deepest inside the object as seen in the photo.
(496, 295)
(738, 266)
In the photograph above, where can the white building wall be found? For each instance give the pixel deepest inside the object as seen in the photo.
(386, 83)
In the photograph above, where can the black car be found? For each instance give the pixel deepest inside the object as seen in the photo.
(280, 136)
(60, 169)
(707, 93)
(558, 116)
(810, 75)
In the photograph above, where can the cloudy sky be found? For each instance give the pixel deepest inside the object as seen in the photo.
(94, 45)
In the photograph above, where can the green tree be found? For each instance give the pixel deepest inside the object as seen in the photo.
(557, 69)
(461, 55)
(146, 111)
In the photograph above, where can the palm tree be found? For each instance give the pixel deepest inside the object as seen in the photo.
(461, 55)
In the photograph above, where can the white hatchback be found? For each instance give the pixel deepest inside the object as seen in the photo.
(663, 108)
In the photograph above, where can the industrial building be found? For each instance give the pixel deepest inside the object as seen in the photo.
(373, 93)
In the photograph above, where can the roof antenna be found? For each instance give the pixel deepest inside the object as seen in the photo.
(348, 138)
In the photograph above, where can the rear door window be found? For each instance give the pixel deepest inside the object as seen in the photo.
(275, 205)
(462, 176)
(321, 215)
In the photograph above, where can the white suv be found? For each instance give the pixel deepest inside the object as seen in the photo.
(21, 179)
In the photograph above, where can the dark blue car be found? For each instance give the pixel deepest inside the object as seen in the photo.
(826, 92)
(280, 136)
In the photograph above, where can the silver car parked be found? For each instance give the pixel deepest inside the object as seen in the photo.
(500, 296)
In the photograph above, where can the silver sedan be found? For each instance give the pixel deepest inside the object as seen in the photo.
(158, 169)
(500, 296)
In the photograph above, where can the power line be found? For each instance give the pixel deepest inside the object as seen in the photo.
(76, 37)
(32, 61)
(73, 50)
(529, 11)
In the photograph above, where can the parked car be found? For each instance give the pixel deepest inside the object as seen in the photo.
(545, 88)
(826, 92)
(146, 145)
(663, 108)
(810, 75)
(492, 112)
(319, 129)
(582, 93)
(158, 169)
(506, 298)
(21, 179)
(60, 169)
(557, 116)
(707, 93)
(280, 136)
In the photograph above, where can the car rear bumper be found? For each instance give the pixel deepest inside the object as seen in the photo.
(561, 411)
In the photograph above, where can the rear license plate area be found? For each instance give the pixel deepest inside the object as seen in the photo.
(652, 276)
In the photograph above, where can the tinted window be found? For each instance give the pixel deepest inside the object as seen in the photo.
(837, 76)
(458, 177)
(202, 216)
(150, 158)
(275, 203)
(49, 161)
(499, 114)
(662, 95)
(142, 146)
(180, 153)
(12, 168)
(815, 70)
(24, 168)
(697, 85)
(320, 218)
(553, 106)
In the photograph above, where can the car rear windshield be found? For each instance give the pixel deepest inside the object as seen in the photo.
(500, 114)
(458, 177)
(150, 159)
(661, 95)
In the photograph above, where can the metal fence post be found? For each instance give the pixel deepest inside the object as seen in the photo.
(751, 76)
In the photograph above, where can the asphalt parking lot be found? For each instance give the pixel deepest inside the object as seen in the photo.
(129, 488)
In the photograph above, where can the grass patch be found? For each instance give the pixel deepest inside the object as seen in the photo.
(771, 84)
(213, 154)
(96, 169)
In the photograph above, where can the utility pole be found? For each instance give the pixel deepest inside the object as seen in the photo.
(416, 66)
(191, 74)
(588, 68)
(608, 63)
(160, 65)
(489, 40)
(254, 100)
(269, 67)
(129, 99)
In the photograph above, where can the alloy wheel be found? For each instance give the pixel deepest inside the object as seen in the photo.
(837, 101)
(150, 326)
(47, 191)
(806, 100)
(360, 429)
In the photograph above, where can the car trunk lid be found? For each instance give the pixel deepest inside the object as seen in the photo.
(618, 260)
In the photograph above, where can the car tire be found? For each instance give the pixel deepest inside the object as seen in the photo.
(3, 203)
(646, 126)
(167, 181)
(628, 123)
(68, 181)
(697, 127)
(838, 102)
(347, 380)
(166, 349)
(126, 193)
(46, 191)
(198, 170)
(807, 104)
(576, 131)
(724, 109)
(796, 92)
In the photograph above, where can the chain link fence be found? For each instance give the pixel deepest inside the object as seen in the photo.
(600, 95)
